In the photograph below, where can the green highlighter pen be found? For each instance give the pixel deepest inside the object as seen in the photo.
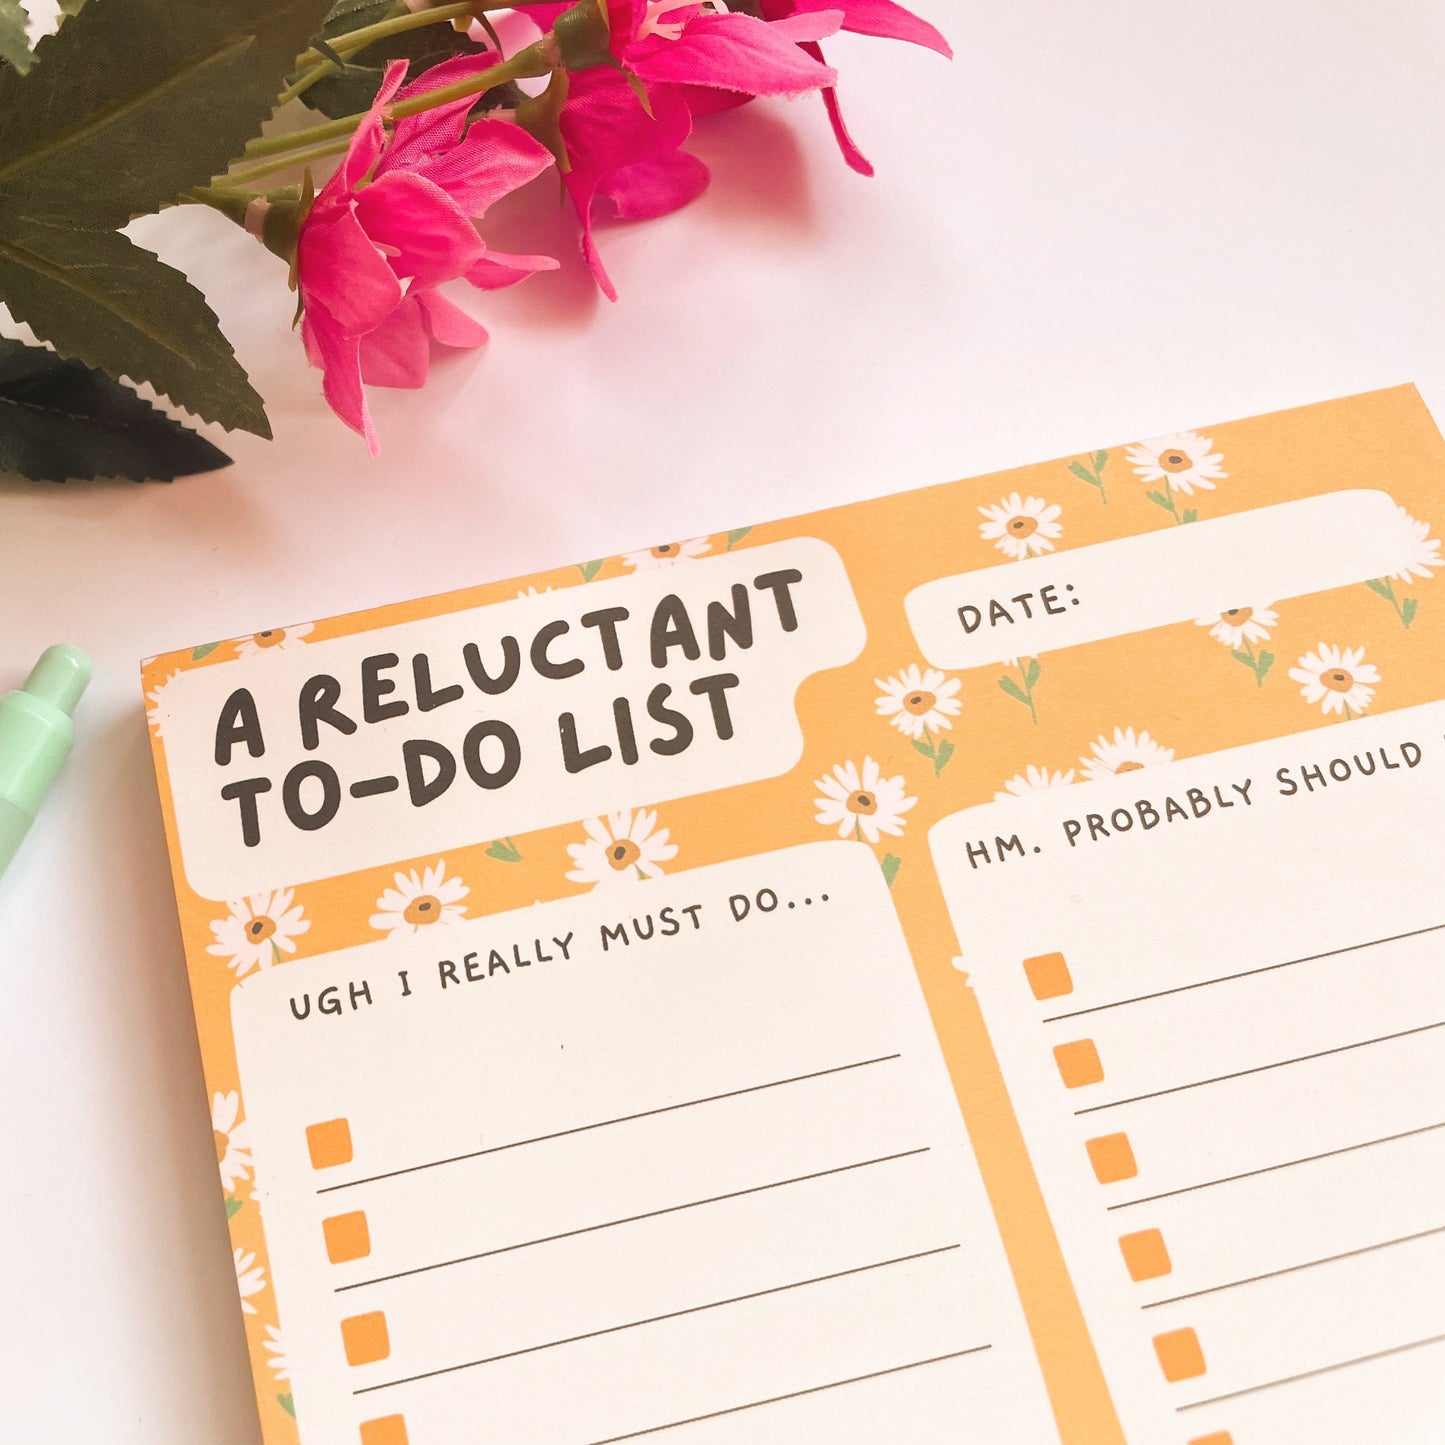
(35, 737)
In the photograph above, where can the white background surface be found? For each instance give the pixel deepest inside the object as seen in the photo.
(1099, 223)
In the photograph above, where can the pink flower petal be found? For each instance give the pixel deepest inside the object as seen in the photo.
(416, 138)
(855, 158)
(737, 52)
(655, 187)
(339, 268)
(498, 269)
(884, 19)
(420, 226)
(338, 356)
(398, 352)
(494, 159)
(448, 323)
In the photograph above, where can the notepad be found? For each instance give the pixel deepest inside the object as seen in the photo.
(966, 965)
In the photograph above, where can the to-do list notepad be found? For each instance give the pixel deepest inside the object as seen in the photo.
(968, 966)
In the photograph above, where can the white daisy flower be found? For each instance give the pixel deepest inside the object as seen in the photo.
(276, 1348)
(665, 554)
(861, 803)
(620, 848)
(161, 712)
(250, 1278)
(918, 700)
(1417, 553)
(1124, 753)
(533, 592)
(275, 639)
(1183, 459)
(1033, 780)
(1240, 625)
(1338, 678)
(259, 930)
(1021, 526)
(420, 900)
(232, 1138)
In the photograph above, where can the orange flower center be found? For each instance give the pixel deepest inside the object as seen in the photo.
(273, 637)
(623, 853)
(424, 908)
(864, 803)
(919, 703)
(259, 929)
(1023, 526)
(222, 1143)
(1237, 616)
(668, 549)
(1129, 767)
(1337, 680)
(1174, 460)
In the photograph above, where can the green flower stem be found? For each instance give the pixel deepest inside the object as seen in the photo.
(536, 60)
(355, 40)
(247, 174)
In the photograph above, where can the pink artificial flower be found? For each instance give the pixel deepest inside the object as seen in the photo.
(629, 154)
(881, 18)
(391, 225)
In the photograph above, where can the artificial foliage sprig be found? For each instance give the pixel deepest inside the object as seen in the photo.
(430, 113)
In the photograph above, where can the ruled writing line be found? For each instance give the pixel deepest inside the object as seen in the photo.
(634, 1218)
(1295, 1268)
(657, 1319)
(1246, 973)
(607, 1123)
(792, 1395)
(1288, 1164)
(1264, 1068)
(1311, 1374)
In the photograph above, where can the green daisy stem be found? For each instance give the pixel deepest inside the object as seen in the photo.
(1028, 692)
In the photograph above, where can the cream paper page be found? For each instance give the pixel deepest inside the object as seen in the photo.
(682, 1164)
(1217, 991)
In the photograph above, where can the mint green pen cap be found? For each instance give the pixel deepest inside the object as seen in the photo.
(35, 738)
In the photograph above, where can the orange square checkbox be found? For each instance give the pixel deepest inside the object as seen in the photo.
(391, 1430)
(365, 1338)
(1145, 1254)
(1112, 1157)
(329, 1143)
(1048, 975)
(1079, 1063)
(1216, 1437)
(347, 1237)
(1180, 1355)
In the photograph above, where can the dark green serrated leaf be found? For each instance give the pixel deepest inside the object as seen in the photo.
(1408, 609)
(890, 864)
(348, 15)
(1031, 674)
(100, 298)
(1378, 584)
(132, 102)
(354, 88)
(71, 7)
(14, 35)
(1013, 689)
(60, 421)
